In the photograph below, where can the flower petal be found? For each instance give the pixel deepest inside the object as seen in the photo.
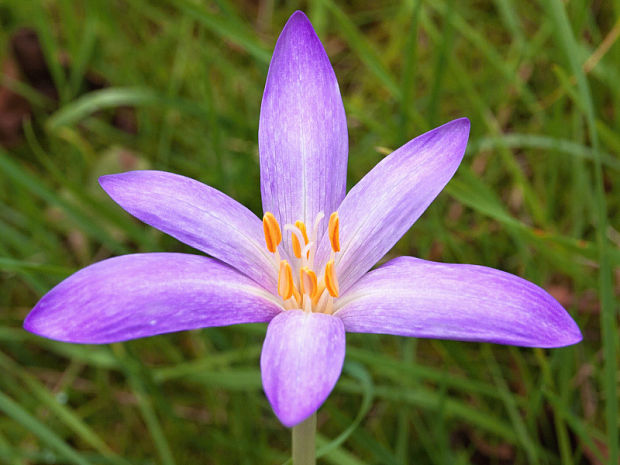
(146, 294)
(301, 361)
(197, 215)
(302, 134)
(392, 196)
(412, 297)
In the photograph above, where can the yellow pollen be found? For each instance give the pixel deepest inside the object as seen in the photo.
(296, 245)
(285, 280)
(308, 282)
(334, 231)
(273, 234)
(331, 282)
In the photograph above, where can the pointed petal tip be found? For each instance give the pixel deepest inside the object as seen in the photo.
(570, 335)
(463, 123)
(106, 183)
(37, 324)
(299, 16)
(455, 134)
(299, 33)
(131, 174)
(577, 337)
(298, 19)
(561, 328)
(459, 127)
(462, 120)
(109, 181)
(105, 179)
(31, 324)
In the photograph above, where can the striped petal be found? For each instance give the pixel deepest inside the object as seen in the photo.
(197, 215)
(302, 136)
(412, 297)
(143, 295)
(391, 197)
(300, 363)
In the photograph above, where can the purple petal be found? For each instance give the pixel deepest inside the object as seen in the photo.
(301, 361)
(197, 215)
(302, 133)
(146, 294)
(412, 297)
(392, 196)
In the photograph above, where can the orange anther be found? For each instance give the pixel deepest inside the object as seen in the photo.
(285, 280)
(331, 282)
(334, 231)
(308, 282)
(273, 234)
(295, 240)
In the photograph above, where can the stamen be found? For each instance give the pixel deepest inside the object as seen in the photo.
(314, 234)
(308, 282)
(273, 234)
(334, 231)
(296, 295)
(331, 282)
(319, 292)
(295, 240)
(321, 304)
(307, 249)
(315, 227)
(329, 306)
(285, 280)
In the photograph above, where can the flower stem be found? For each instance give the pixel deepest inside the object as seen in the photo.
(304, 435)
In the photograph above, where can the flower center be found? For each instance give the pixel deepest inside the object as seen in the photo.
(299, 285)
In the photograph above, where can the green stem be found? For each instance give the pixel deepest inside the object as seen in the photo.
(304, 435)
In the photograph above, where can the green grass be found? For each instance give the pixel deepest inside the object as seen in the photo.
(538, 194)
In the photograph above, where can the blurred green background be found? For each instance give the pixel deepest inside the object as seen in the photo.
(94, 87)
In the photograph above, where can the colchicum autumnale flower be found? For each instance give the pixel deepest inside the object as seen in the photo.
(305, 267)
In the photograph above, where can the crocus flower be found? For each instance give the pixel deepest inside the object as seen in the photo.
(305, 267)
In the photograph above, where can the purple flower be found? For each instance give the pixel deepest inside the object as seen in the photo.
(305, 268)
